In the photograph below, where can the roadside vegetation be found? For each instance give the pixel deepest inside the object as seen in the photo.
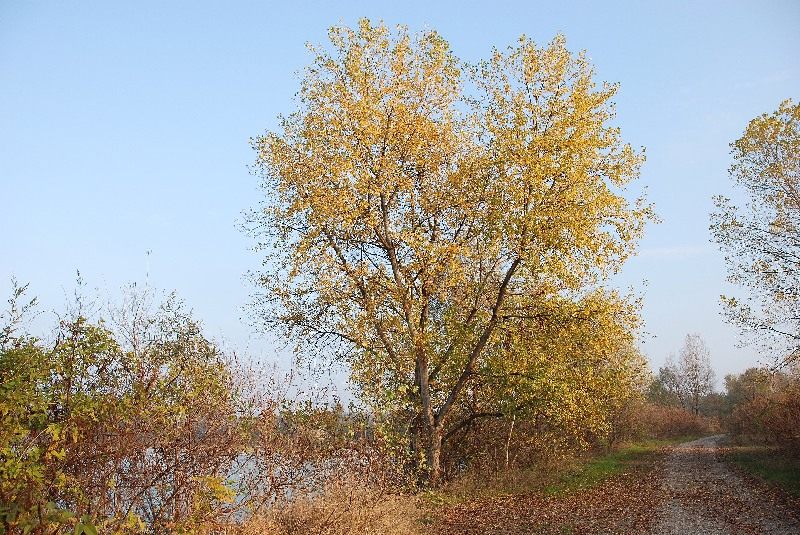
(769, 464)
(132, 421)
(447, 232)
(763, 419)
(761, 242)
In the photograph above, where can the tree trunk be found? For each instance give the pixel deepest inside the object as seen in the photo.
(508, 440)
(434, 456)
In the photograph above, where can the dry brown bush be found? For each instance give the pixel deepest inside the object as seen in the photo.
(344, 507)
(770, 417)
(664, 422)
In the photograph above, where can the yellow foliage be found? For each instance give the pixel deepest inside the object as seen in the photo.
(761, 237)
(418, 207)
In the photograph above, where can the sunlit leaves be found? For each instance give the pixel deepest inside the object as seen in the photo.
(114, 428)
(419, 209)
(761, 240)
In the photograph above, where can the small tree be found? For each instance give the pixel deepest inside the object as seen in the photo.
(761, 240)
(689, 381)
(695, 372)
(665, 387)
(415, 225)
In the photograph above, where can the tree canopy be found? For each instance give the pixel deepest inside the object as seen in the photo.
(761, 239)
(425, 219)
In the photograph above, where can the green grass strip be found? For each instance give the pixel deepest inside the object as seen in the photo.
(769, 464)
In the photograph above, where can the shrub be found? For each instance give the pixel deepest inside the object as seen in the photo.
(147, 426)
(770, 414)
(137, 432)
(665, 422)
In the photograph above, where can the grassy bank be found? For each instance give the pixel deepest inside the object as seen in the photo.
(591, 471)
(769, 464)
(557, 476)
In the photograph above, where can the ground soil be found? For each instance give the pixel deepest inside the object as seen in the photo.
(687, 489)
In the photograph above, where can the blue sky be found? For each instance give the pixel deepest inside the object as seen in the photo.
(124, 128)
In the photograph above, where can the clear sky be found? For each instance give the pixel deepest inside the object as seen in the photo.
(124, 129)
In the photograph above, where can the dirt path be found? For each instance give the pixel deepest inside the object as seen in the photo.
(687, 491)
(704, 496)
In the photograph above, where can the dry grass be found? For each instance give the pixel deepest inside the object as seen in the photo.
(344, 508)
(554, 472)
(515, 480)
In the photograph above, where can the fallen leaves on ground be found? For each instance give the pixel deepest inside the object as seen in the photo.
(621, 504)
(689, 489)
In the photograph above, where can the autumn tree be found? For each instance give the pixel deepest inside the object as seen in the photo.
(420, 213)
(695, 372)
(747, 386)
(761, 239)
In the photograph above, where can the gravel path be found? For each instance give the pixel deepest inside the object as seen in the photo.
(686, 490)
(704, 496)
